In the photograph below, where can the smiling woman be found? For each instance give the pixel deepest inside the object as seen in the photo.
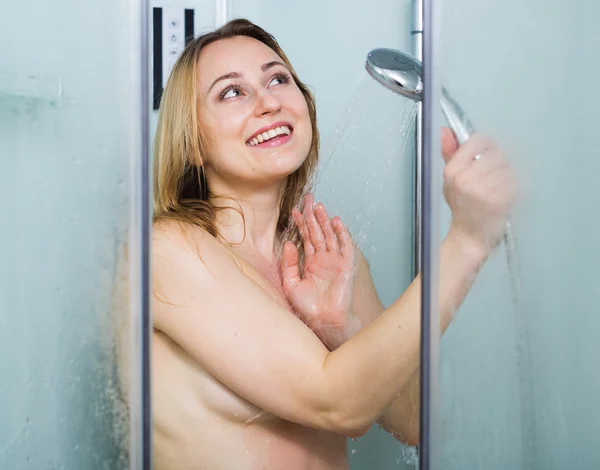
(240, 107)
(270, 343)
(241, 66)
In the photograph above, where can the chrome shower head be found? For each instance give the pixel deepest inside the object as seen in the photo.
(397, 71)
(403, 74)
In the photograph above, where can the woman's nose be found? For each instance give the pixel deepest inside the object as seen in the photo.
(267, 103)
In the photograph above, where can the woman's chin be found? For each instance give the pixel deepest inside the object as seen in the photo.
(282, 165)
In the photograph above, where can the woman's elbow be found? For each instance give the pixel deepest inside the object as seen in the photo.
(344, 415)
(411, 439)
(353, 426)
(357, 432)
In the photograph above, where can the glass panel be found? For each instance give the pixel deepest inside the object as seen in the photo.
(67, 134)
(366, 167)
(519, 386)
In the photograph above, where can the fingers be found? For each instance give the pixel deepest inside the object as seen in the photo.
(449, 144)
(289, 266)
(464, 157)
(503, 189)
(317, 236)
(490, 162)
(331, 239)
(464, 160)
(309, 249)
(346, 245)
(319, 232)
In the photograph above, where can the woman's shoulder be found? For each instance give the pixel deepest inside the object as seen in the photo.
(179, 232)
(175, 238)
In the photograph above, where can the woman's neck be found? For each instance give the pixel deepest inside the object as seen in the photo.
(250, 223)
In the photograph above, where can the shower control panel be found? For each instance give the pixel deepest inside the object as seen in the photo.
(173, 28)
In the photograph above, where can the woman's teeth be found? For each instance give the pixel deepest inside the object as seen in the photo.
(268, 135)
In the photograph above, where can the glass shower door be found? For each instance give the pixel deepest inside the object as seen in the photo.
(520, 386)
(69, 126)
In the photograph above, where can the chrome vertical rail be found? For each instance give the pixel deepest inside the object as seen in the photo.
(146, 226)
(430, 243)
(140, 445)
(416, 34)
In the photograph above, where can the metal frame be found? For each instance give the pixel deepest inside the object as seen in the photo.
(429, 238)
(416, 35)
(146, 226)
(140, 445)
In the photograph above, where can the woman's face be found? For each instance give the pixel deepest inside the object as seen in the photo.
(254, 116)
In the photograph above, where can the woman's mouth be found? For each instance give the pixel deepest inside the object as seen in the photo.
(272, 138)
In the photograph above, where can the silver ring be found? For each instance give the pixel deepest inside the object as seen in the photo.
(477, 157)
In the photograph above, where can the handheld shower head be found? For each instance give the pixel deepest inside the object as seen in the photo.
(397, 71)
(403, 74)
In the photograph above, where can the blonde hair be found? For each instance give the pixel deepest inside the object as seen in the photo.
(180, 190)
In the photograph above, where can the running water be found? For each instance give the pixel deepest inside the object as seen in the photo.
(366, 146)
(363, 151)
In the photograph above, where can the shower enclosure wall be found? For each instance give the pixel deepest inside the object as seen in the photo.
(70, 147)
(70, 275)
(523, 71)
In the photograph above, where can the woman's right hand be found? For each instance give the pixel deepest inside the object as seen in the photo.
(481, 193)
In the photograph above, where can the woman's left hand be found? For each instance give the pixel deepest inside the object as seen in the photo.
(322, 295)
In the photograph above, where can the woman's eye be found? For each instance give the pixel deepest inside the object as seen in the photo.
(279, 79)
(228, 93)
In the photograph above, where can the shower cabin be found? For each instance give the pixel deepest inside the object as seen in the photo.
(511, 387)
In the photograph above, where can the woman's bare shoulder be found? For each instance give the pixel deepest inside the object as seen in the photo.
(174, 238)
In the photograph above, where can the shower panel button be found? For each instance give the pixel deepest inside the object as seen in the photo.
(173, 28)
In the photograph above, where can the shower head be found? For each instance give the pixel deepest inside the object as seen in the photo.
(397, 71)
(403, 74)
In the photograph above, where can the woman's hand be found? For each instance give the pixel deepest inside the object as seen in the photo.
(322, 295)
(480, 192)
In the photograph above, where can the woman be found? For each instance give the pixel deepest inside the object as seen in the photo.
(267, 353)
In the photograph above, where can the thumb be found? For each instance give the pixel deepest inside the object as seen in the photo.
(290, 271)
(449, 144)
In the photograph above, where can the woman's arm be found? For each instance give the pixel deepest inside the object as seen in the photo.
(481, 194)
(236, 332)
(401, 417)
(459, 265)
